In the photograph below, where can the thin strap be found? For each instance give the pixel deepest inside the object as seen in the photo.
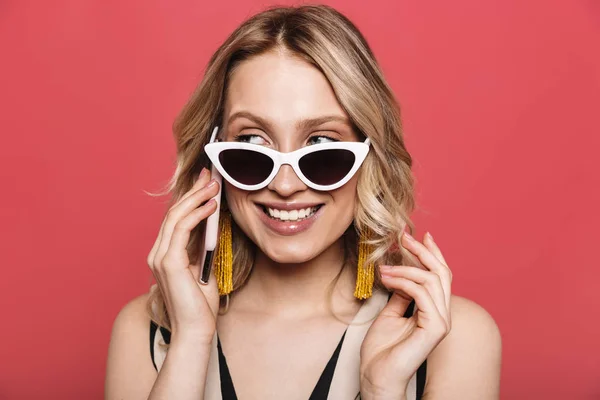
(409, 310)
(321, 390)
(153, 328)
(166, 334)
(421, 377)
(227, 388)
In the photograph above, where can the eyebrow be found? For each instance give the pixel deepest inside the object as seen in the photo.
(303, 124)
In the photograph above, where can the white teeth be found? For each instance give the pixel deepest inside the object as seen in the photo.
(291, 215)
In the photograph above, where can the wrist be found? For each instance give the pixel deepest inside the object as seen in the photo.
(389, 396)
(192, 339)
(377, 391)
(368, 396)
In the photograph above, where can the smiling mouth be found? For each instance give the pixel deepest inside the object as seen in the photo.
(290, 215)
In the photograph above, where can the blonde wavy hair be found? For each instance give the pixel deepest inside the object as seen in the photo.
(330, 42)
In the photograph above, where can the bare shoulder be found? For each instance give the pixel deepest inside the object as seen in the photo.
(130, 373)
(467, 362)
(469, 312)
(133, 312)
(474, 324)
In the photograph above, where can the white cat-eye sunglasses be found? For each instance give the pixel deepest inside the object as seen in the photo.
(324, 166)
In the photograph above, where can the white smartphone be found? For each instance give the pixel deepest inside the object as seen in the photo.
(211, 232)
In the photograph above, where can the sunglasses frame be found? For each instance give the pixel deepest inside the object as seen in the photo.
(214, 148)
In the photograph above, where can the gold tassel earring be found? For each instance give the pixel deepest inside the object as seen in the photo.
(365, 275)
(223, 263)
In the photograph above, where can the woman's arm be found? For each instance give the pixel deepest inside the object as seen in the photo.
(130, 374)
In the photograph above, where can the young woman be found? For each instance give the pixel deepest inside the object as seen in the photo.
(318, 289)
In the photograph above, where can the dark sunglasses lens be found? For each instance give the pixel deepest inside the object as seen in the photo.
(327, 167)
(246, 166)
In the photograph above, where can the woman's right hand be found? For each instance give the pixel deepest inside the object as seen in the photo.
(192, 307)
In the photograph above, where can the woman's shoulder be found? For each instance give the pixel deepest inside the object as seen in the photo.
(467, 312)
(133, 320)
(128, 359)
(135, 310)
(470, 352)
(470, 320)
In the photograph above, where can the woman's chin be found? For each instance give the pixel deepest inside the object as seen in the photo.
(291, 255)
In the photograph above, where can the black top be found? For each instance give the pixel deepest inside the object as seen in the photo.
(321, 390)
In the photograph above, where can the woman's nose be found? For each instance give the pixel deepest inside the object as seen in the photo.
(286, 182)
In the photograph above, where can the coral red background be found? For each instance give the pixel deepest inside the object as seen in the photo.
(500, 104)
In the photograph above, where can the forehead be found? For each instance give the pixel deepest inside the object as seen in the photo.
(280, 88)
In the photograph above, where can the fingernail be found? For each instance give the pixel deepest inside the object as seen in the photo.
(202, 173)
(430, 237)
(385, 267)
(408, 236)
(212, 183)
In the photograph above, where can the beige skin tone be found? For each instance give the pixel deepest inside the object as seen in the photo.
(281, 314)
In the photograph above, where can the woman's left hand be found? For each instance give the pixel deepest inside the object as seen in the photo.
(395, 346)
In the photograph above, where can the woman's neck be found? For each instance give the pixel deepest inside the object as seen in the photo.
(299, 290)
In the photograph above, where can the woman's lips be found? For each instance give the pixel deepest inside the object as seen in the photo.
(287, 228)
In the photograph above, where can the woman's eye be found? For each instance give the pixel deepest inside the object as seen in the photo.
(320, 139)
(252, 139)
